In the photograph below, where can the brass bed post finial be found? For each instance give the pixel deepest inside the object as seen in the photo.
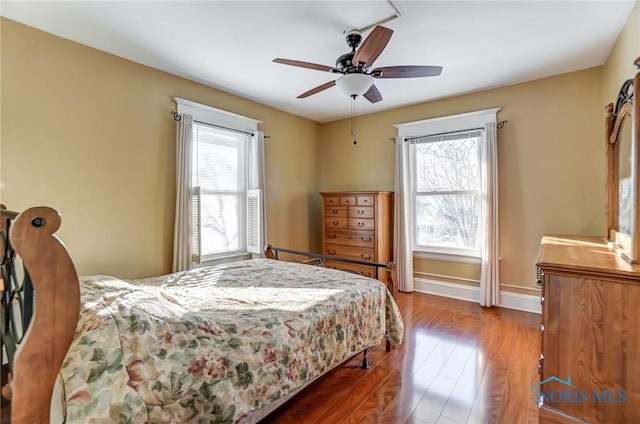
(269, 253)
(57, 306)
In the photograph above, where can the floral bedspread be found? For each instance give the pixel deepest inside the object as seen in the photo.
(211, 345)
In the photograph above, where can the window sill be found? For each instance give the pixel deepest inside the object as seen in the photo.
(223, 260)
(447, 256)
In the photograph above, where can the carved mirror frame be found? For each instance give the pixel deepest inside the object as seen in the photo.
(625, 112)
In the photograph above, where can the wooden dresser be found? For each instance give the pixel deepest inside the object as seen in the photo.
(590, 332)
(358, 225)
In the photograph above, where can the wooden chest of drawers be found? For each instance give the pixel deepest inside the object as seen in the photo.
(358, 225)
(590, 362)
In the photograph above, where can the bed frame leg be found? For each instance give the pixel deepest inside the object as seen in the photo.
(365, 360)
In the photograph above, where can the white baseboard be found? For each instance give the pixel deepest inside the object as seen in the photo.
(521, 302)
(453, 290)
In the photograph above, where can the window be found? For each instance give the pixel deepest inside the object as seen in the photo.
(446, 181)
(227, 182)
(449, 171)
(219, 176)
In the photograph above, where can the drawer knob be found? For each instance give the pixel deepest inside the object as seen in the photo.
(367, 256)
(360, 212)
(331, 251)
(541, 327)
(334, 211)
(360, 224)
(366, 239)
(335, 222)
(331, 235)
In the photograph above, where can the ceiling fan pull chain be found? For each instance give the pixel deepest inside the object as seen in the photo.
(353, 118)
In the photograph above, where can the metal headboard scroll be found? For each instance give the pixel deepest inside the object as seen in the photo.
(17, 296)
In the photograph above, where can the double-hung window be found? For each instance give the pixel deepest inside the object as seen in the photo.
(219, 182)
(226, 186)
(447, 192)
(449, 183)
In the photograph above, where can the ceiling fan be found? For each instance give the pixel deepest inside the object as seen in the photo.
(355, 66)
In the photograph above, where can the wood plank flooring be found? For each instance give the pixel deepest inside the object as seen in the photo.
(459, 363)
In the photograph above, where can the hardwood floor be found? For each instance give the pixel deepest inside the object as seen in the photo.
(459, 363)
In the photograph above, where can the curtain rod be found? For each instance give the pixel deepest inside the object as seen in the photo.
(499, 125)
(177, 118)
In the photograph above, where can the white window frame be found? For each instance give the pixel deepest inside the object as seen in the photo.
(442, 125)
(226, 120)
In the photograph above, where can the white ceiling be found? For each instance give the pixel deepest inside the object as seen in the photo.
(230, 44)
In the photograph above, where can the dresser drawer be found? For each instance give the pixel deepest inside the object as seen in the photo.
(335, 222)
(365, 200)
(332, 200)
(360, 212)
(367, 271)
(335, 211)
(348, 200)
(361, 224)
(350, 238)
(350, 252)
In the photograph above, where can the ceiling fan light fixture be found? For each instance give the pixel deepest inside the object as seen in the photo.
(354, 84)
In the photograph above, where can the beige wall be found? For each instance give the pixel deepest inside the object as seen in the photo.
(551, 162)
(619, 64)
(91, 135)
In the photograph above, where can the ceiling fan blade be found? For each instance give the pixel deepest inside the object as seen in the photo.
(317, 89)
(372, 94)
(307, 65)
(406, 71)
(372, 46)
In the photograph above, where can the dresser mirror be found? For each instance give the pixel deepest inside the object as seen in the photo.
(623, 188)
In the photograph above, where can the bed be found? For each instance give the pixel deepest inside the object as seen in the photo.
(218, 344)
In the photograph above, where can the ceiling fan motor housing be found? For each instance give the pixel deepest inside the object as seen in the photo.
(344, 63)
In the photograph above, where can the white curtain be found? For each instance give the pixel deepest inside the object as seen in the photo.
(489, 273)
(257, 179)
(182, 231)
(402, 234)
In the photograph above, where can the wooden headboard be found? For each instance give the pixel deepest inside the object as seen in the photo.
(55, 310)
